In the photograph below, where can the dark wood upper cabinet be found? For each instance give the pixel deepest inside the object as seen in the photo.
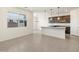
(63, 19)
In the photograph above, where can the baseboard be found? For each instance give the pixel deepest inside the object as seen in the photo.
(17, 37)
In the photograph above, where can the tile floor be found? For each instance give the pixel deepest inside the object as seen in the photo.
(40, 43)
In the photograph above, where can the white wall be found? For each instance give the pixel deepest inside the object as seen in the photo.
(75, 22)
(61, 14)
(9, 33)
(42, 19)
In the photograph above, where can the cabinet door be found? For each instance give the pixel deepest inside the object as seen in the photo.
(66, 19)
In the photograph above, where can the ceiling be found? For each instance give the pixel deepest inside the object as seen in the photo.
(54, 9)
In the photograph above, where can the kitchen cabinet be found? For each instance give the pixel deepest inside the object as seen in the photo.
(63, 19)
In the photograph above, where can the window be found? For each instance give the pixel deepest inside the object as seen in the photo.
(16, 20)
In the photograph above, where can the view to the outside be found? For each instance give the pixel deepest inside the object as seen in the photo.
(16, 20)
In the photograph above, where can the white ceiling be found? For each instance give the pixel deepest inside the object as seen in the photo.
(55, 10)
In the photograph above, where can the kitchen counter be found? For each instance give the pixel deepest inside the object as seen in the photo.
(58, 32)
(54, 27)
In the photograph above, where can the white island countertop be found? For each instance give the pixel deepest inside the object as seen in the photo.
(58, 31)
(55, 27)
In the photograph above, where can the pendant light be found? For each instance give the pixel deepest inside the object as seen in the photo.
(45, 13)
(51, 14)
(58, 13)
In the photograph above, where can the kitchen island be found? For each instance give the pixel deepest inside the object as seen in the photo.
(58, 32)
